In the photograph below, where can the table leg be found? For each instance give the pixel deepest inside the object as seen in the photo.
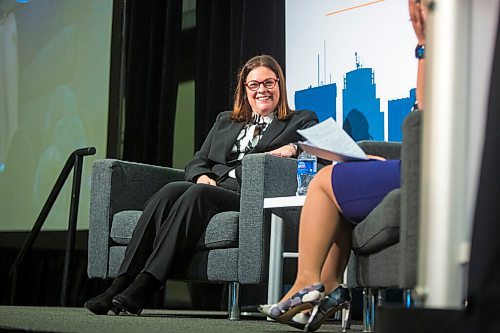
(275, 260)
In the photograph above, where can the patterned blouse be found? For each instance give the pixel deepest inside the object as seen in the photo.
(249, 137)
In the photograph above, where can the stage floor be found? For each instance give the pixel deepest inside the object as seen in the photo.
(56, 319)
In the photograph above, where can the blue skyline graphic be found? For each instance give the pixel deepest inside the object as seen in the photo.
(362, 117)
(398, 109)
(321, 99)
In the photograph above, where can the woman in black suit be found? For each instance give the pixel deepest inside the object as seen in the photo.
(177, 215)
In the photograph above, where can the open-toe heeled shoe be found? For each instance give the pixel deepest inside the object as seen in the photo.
(300, 320)
(304, 299)
(337, 300)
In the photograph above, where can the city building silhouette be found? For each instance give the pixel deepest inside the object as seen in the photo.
(397, 110)
(360, 105)
(321, 99)
(362, 117)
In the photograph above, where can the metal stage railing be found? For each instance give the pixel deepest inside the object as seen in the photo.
(74, 160)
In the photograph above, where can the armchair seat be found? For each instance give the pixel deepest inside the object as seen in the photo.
(221, 232)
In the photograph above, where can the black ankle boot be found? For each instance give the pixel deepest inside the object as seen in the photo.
(137, 294)
(102, 303)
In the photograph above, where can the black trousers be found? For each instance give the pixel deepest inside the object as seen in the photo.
(171, 224)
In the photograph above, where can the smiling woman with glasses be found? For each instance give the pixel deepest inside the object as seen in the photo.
(260, 71)
(177, 215)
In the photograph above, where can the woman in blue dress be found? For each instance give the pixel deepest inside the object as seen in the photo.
(350, 190)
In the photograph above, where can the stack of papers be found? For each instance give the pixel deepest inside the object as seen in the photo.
(329, 141)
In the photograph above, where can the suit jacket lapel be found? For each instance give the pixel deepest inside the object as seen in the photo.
(230, 135)
(272, 131)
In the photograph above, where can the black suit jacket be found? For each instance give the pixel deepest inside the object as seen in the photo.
(213, 158)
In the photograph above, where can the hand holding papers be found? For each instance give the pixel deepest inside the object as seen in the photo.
(329, 141)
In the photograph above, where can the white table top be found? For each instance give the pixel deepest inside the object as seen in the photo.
(280, 202)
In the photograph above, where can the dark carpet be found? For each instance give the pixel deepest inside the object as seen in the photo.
(57, 319)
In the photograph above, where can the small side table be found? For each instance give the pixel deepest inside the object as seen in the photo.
(276, 251)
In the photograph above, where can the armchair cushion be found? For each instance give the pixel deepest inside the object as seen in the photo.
(221, 232)
(123, 225)
(380, 228)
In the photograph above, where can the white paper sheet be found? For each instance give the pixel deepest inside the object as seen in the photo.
(329, 141)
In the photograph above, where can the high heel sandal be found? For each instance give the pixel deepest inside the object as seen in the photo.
(300, 320)
(337, 300)
(307, 298)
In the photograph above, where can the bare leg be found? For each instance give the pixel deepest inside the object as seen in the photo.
(338, 257)
(322, 234)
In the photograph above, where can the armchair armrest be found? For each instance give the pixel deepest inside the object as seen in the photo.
(388, 150)
(263, 176)
(116, 186)
(410, 199)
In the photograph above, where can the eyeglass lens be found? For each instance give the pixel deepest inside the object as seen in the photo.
(268, 84)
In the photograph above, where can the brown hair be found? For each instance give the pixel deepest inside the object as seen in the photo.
(241, 109)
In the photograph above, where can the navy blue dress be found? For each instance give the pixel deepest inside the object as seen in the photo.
(360, 186)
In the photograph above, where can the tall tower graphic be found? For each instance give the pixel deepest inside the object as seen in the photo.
(361, 107)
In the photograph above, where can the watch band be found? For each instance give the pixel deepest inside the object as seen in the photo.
(420, 51)
(297, 148)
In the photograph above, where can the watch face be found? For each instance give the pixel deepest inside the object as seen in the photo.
(420, 51)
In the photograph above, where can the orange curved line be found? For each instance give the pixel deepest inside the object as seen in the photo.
(351, 8)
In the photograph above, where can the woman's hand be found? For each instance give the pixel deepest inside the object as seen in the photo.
(285, 151)
(375, 157)
(204, 179)
(418, 16)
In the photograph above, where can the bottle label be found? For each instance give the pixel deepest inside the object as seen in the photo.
(305, 167)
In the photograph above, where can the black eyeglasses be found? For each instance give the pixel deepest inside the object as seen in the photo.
(254, 84)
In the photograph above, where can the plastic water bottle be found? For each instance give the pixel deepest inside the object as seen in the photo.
(306, 169)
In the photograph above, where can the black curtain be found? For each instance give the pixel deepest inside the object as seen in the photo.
(484, 269)
(39, 278)
(153, 44)
(229, 33)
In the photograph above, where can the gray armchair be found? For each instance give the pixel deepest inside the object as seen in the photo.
(235, 247)
(385, 243)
